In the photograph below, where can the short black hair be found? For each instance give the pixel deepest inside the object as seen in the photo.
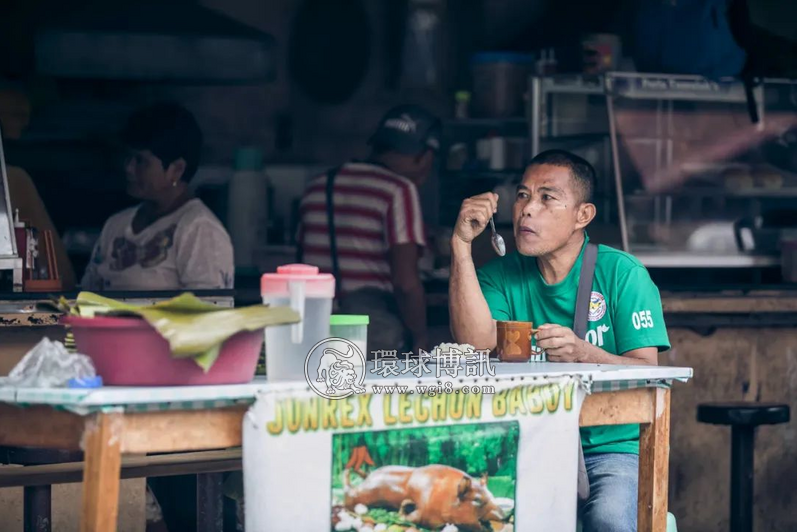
(581, 171)
(169, 131)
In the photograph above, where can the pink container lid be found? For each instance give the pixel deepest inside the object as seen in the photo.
(316, 284)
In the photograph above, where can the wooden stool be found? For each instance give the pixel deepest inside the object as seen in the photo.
(743, 418)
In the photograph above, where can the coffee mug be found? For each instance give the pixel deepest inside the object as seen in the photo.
(514, 340)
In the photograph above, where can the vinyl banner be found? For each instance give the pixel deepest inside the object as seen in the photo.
(502, 457)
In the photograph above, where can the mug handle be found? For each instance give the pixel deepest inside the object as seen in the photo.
(533, 332)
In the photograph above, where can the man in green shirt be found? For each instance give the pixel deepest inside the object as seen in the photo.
(538, 283)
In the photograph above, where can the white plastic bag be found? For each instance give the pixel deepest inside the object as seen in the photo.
(49, 365)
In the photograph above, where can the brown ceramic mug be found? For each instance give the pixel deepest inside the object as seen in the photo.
(514, 340)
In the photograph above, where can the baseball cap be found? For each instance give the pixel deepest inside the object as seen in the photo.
(408, 129)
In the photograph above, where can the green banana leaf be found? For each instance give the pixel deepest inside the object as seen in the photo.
(194, 329)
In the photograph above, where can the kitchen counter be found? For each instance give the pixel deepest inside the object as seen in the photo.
(730, 301)
(705, 260)
(735, 300)
(29, 303)
(6, 297)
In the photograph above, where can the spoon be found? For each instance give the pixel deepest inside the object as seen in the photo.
(498, 241)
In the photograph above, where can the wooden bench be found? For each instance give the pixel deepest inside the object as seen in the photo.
(209, 466)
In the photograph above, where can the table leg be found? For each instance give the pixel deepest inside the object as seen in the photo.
(654, 456)
(210, 502)
(102, 447)
(36, 508)
(742, 460)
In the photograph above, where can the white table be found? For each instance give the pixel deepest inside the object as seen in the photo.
(108, 422)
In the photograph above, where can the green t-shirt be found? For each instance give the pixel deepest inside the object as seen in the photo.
(625, 314)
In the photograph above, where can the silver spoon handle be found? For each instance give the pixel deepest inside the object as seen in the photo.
(492, 224)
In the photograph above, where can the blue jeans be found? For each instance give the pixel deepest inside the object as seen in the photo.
(612, 503)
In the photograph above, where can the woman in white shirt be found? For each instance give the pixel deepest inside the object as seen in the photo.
(171, 241)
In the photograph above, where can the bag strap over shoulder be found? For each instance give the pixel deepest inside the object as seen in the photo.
(580, 329)
(333, 247)
(584, 290)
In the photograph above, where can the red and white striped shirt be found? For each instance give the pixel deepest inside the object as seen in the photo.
(375, 209)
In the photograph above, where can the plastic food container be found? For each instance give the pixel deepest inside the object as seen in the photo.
(351, 327)
(130, 352)
(500, 80)
(308, 292)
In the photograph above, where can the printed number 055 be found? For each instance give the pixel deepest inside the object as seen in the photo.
(642, 319)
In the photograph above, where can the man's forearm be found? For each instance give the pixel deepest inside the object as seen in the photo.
(471, 320)
(595, 355)
(412, 308)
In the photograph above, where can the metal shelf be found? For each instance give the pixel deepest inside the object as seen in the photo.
(573, 84)
(632, 87)
(675, 87)
(790, 192)
(685, 259)
(486, 122)
(665, 90)
(485, 174)
(581, 137)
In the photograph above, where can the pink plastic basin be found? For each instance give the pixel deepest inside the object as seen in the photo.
(130, 352)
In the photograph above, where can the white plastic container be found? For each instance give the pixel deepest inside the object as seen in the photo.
(308, 292)
(351, 327)
(248, 206)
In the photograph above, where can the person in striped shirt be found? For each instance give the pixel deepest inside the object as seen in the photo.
(378, 234)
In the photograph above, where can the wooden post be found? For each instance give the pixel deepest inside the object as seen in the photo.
(654, 460)
(102, 441)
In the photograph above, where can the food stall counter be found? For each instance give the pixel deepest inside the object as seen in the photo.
(111, 421)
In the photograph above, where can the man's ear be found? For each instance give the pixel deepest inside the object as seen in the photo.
(586, 213)
(176, 169)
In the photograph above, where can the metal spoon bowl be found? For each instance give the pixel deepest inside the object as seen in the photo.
(498, 241)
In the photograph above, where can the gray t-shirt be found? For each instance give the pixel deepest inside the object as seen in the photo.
(188, 249)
